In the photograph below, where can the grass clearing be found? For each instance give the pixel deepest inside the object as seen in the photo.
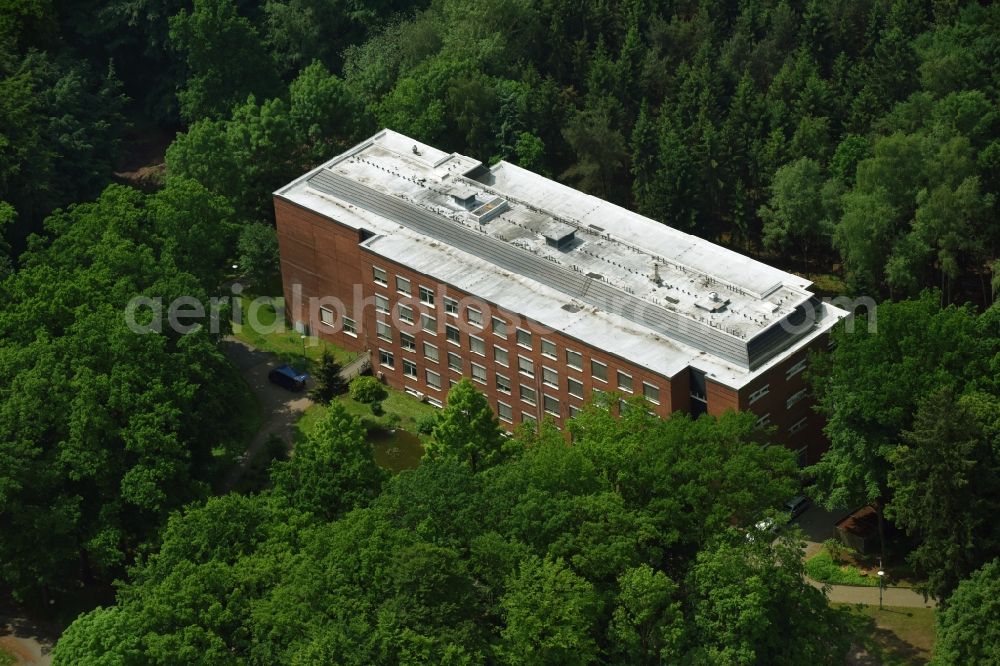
(894, 636)
(822, 568)
(262, 329)
(394, 451)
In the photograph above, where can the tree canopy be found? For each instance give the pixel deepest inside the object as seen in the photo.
(536, 559)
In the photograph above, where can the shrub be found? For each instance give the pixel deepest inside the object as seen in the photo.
(368, 390)
(425, 424)
(838, 551)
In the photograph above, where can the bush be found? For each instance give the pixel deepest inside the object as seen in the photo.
(377, 409)
(838, 551)
(368, 390)
(329, 384)
(425, 424)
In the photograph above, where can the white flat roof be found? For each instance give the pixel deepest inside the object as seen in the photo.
(642, 258)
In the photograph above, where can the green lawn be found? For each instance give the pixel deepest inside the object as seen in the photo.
(394, 452)
(6, 658)
(847, 570)
(260, 330)
(822, 568)
(894, 636)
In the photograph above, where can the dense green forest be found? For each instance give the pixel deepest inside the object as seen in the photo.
(853, 140)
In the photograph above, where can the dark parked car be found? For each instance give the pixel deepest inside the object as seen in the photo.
(797, 505)
(288, 377)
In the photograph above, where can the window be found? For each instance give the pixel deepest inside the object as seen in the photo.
(505, 412)
(477, 346)
(452, 382)
(426, 296)
(379, 276)
(405, 313)
(452, 334)
(599, 370)
(450, 306)
(551, 405)
(500, 356)
(403, 285)
(574, 359)
(764, 420)
(798, 425)
(575, 387)
(499, 327)
(527, 394)
(478, 373)
(524, 338)
(381, 304)
(651, 392)
(794, 398)
(474, 316)
(383, 330)
(503, 384)
(409, 368)
(760, 393)
(550, 377)
(528, 418)
(454, 361)
(430, 352)
(429, 324)
(548, 348)
(385, 358)
(802, 456)
(623, 407)
(433, 379)
(795, 369)
(326, 316)
(526, 366)
(407, 342)
(573, 411)
(624, 382)
(350, 327)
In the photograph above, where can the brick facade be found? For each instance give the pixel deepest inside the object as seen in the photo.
(322, 259)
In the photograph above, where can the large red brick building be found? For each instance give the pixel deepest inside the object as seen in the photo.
(442, 268)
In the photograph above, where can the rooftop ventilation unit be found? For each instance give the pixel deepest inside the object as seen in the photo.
(713, 303)
(489, 210)
(558, 235)
(466, 196)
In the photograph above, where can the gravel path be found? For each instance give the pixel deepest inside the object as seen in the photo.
(280, 408)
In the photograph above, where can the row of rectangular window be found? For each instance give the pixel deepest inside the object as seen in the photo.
(524, 338)
(527, 394)
(525, 365)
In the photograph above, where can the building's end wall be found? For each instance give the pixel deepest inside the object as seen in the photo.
(320, 259)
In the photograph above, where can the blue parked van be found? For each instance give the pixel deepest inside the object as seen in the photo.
(288, 377)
